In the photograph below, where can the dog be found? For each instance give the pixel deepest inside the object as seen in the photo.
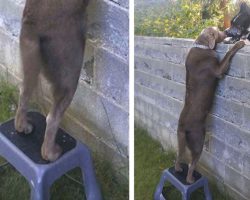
(240, 25)
(203, 70)
(52, 42)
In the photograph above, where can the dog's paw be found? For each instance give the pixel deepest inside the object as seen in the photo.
(190, 179)
(51, 153)
(178, 168)
(23, 126)
(240, 44)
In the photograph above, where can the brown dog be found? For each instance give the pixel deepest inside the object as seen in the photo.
(52, 41)
(203, 69)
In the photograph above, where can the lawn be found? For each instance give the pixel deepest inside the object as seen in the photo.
(150, 161)
(13, 186)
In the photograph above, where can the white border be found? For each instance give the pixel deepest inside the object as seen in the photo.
(131, 99)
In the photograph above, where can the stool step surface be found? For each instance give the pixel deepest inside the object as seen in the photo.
(31, 144)
(181, 176)
(178, 180)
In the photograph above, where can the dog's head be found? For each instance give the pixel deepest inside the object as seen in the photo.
(240, 24)
(210, 37)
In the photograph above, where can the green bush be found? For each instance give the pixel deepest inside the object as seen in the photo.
(8, 100)
(183, 19)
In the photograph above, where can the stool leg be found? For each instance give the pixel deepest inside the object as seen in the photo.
(91, 186)
(158, 192)
(185, 195)
(39, 191)
(207, 191)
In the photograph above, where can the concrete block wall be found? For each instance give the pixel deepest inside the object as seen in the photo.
(98, 115)
(159, 95)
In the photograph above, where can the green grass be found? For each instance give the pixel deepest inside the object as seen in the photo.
(150, 161)
(14, 185)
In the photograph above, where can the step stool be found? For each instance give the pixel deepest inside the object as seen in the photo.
(178, 179)
(23, 152)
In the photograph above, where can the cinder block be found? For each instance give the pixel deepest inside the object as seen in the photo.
(9, 53)
(237, 66)
(218, 149)
(122, 3)
(228, 110)
(108, 26)
(168, 53)
(247, 69)
(159, 115)
(213, 164)
(237, 181)
(217, 126)
(155, 67)
(11, 14)
(87, 73)
(247, 116)
(221, 88)
(246, 165)
(167, 103)
(234, 158)
(165, 86)
(112, 77)
(179, 73)
(229, 133)
(100, 115)
(237, 137)
(97, 144)
(238, 89)
(186, 43)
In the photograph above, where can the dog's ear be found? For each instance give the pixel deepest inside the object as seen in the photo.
(244, 7)
(206, 38)
(211, 40)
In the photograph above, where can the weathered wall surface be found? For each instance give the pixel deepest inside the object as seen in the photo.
(159, 95)
(98, 115)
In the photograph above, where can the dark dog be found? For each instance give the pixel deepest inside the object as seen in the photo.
(203, 70)
(240, 25)
(52, 41)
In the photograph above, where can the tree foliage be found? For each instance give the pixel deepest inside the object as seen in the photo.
(184, 18)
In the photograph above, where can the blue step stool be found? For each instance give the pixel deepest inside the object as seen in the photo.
(23, 152)
(178, 180)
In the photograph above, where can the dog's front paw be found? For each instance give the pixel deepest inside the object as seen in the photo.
(22, 125)
(178, 167)
(240, 44)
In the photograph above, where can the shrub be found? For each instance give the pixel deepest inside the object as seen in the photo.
(185, 19)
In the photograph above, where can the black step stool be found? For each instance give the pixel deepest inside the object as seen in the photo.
(178, 179)
(23, 152)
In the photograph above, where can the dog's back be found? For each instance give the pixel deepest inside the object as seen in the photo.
(200, 85)
(59, 27)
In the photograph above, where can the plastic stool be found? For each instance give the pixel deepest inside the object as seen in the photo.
(178, 179)
(23, 152)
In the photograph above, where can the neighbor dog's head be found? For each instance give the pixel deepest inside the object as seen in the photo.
(240, 24)
(210, 37)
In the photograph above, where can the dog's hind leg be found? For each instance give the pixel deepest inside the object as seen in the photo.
(195, 142)
(62, 98)
(181, 149)
(31, 65)
(64, 57)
